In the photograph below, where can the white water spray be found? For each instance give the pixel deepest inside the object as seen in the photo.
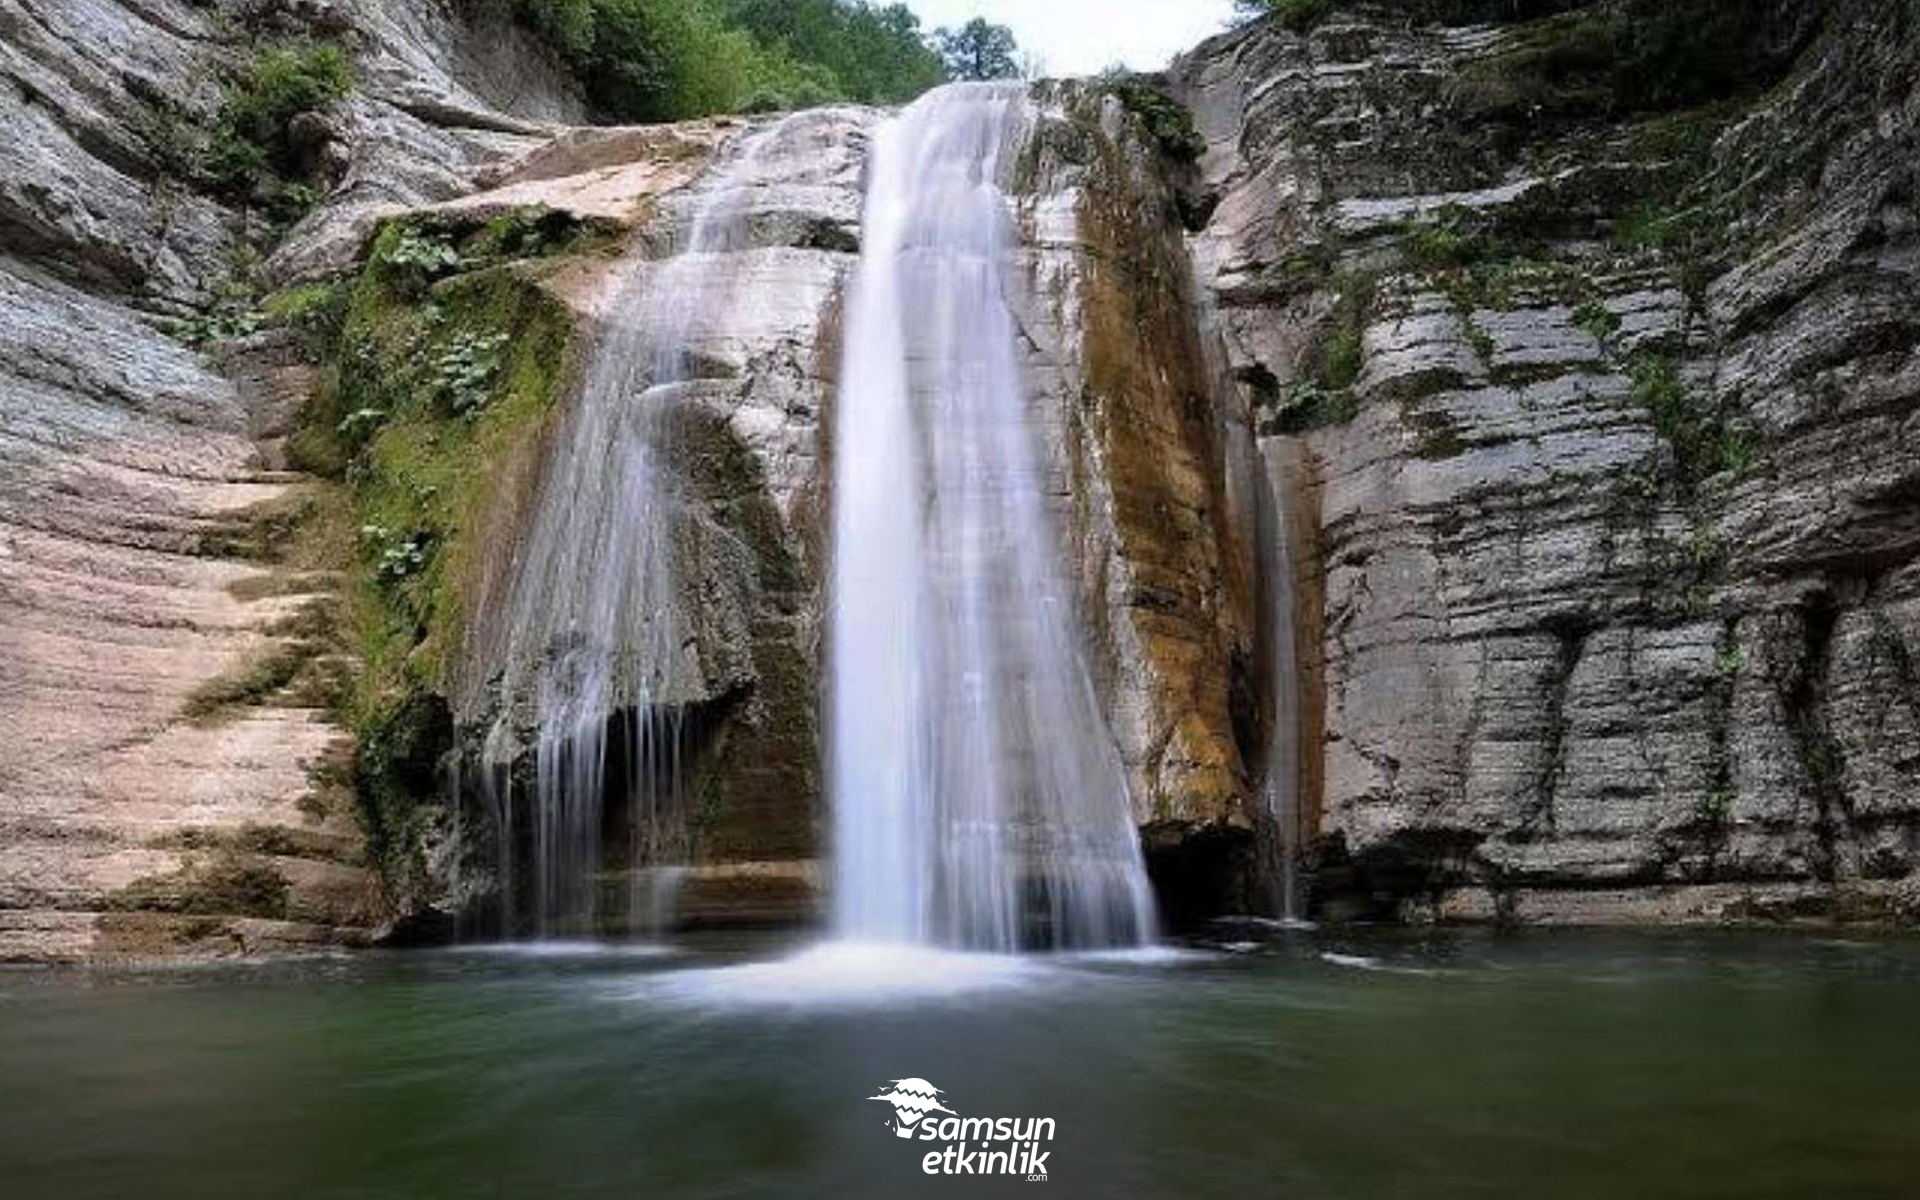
(979, 798)
(594, 637)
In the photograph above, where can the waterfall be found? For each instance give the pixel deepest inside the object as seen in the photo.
(979, 798)
(1281, 785)
(596, 652)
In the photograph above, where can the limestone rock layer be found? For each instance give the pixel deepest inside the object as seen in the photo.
(1606, 411)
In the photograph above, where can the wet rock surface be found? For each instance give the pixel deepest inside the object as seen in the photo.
(749, 469)
(1133, 452)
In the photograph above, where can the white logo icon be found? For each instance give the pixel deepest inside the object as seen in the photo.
(911, 1100)
(972, 1145)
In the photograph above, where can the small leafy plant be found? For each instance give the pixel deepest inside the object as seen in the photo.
(397, 554)
(420, 256)
(1596, 319)
(1310, 405)
(464, 371)
(219, 324)
(1446, 243)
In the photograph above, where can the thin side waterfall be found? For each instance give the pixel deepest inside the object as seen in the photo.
(1281, 785)
(979, 797)
(595, 638)
(1257, 477)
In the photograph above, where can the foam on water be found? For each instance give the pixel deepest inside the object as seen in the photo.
(847, 975)
(566, 949)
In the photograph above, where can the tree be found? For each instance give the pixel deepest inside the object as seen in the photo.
(876, 53)
(1296, 15)
(664, 60)
(979, 50)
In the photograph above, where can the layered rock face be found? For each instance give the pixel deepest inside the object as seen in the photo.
(168, 779)
(1147, 469)
(1118, 362)
(1597, 423)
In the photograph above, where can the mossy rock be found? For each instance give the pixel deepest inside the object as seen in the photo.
(1625, 56)
(225, 882)
(446, 360)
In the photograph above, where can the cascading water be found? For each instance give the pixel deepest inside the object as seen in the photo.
(595, 643)
(1280, 834)
(978, 794)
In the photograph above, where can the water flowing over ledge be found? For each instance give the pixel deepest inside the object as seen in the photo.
(978, 797)
(595, 637)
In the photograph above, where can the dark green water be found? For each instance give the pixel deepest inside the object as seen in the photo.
(1543, 1065)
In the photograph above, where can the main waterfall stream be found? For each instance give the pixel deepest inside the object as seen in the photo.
(978, 797)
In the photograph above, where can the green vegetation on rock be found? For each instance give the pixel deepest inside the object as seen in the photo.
(1321, 394)
(1703, 445)
(225, 882)
(1166, 119)
(252, 683)
(446, 361)
(253, 153)
(1450, 240)
(1596, 319)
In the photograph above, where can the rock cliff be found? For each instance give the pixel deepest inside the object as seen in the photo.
(1130, 438)
(1595, 390)
(169, 774)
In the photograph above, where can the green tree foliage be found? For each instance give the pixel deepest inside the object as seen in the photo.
(250, 154)
(664, 60)
(875, 54)
(979, 50)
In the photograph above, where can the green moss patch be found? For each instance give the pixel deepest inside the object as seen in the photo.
(252, 839)
(1703, 444)
(252, 683)
(445, 364)
(1168, 121)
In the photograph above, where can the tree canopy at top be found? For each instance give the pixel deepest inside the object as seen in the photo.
(979, 50)
(664, 60)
